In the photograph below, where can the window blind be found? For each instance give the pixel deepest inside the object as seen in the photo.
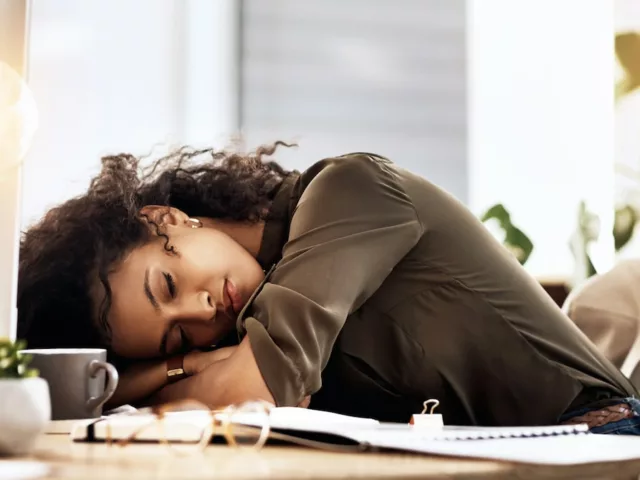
(358, 75)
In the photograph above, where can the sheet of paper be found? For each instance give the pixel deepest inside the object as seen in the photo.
(450, 433)
(560, 450)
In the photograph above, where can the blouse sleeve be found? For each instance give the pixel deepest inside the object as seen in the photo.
(352, 225)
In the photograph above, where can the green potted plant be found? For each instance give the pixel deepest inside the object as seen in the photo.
(515, 240)
(25, 407)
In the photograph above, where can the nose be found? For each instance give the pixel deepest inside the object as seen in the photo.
(200, 308)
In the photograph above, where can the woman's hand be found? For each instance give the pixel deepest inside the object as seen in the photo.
(224, 377)
(143, 379)
(197, 361)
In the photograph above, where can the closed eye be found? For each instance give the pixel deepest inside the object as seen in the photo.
(171, 285)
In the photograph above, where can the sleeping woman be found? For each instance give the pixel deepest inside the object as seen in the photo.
(355, 287)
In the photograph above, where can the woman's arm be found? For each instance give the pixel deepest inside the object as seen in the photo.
(139, 381)
(211, 386)
(230, 380)
(143, 379)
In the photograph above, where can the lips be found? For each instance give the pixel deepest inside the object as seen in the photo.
(233, 303)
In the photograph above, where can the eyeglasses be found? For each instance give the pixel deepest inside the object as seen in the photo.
(242, 426)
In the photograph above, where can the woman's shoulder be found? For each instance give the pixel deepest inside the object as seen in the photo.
(352, 160)
(349, 170)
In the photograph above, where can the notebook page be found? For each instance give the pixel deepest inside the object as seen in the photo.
(188, 426)
(558, 450)
(293, 418)
(388, 433)
(485, 433)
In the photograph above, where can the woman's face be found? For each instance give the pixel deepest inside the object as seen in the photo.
(165, 303)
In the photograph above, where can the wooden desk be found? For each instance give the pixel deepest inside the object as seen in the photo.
(70, 460)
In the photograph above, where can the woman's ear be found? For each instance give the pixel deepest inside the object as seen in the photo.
(163, 216)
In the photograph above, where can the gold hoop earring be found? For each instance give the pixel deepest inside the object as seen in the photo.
(195, 222)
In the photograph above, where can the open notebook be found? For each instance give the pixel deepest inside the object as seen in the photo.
(301, 426)
(553, 445)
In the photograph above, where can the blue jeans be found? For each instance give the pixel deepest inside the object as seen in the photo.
(626, 426)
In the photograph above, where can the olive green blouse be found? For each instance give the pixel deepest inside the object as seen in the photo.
(383, 291)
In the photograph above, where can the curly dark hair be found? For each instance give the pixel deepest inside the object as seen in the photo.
(85, 237)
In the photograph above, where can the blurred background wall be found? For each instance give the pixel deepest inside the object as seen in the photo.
(627, 120)
(498, 101)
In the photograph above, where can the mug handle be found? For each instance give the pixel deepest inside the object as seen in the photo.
(112, 382)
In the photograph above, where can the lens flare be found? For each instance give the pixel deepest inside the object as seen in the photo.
(18, 118)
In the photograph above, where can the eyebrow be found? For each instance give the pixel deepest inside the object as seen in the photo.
(148, 292)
